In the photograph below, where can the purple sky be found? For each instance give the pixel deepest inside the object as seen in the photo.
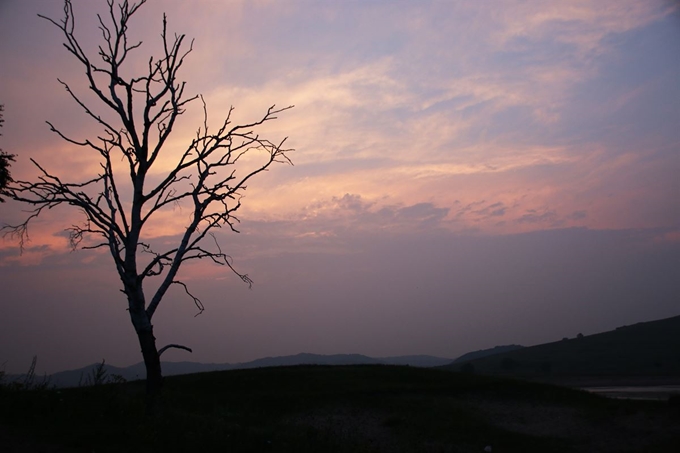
(466, 174)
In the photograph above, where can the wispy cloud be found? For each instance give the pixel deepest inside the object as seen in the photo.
(399, 111)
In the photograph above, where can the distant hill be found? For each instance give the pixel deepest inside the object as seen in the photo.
(83, 376)
(423, 361)
(487, 352)
(646, 349)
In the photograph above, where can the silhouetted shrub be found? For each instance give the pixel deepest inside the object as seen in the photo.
(99, 376)
(28, 381)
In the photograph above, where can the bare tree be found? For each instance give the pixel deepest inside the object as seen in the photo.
(209, 175)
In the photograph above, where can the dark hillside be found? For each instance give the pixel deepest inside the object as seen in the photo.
(647, 349)
(366, 408)
(487, 352)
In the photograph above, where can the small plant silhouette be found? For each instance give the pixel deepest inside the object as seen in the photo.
(100, 376)
(27, 381)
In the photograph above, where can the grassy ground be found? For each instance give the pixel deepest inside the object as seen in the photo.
(334, 409)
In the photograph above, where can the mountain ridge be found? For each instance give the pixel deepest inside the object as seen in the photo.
(487, 352)
(85, 375)
(648, 349)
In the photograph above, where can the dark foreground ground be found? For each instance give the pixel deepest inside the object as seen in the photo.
(335, 409)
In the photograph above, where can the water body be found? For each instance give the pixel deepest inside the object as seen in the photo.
(652, 392)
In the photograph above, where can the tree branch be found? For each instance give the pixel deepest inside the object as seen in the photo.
(209, 176)
(176, 346)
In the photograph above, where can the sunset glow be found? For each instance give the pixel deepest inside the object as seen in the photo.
(460, 168)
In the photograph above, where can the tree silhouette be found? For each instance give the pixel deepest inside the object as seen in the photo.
(5, 159)
(119, 202)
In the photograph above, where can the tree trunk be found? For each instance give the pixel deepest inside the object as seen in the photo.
(144, 329)
(152, 361)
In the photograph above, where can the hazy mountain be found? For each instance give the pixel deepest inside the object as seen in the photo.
(487, 352)
(643, 350)
(84, 376)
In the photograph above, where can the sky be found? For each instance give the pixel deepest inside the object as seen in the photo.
(466, 174)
